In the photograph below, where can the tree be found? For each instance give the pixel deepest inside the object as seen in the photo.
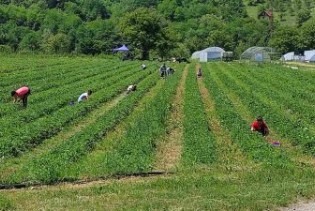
(308, 34)
(59, 43)
(92, 9)
(285, 39)
(30, 41)
(302, 16)
(143, 28)
(96, 37)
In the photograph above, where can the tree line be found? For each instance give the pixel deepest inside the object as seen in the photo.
(152, 28)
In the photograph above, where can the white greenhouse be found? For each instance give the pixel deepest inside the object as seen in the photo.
(258, 54)
(208, 54)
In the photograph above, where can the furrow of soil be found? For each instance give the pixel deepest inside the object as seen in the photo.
(111, 139)
(229, 154)
(170, 147)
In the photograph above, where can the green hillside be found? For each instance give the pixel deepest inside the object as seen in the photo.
(152, 29)
(286, 12)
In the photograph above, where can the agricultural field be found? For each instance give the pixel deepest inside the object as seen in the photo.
(177, 143)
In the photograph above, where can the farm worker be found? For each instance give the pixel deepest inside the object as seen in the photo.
(169, 71)
(162, 70)
(143, 66)
(21, 94)
(260, 126)
(85, 96)
(199, 73)
(131, 88)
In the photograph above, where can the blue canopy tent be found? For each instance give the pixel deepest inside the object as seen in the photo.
(126, 52)
(122, 48)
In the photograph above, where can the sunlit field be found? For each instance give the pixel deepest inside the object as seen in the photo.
(176, 143)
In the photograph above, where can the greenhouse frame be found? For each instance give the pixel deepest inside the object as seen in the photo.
(259, 54)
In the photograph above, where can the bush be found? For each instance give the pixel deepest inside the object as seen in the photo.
(5, 49)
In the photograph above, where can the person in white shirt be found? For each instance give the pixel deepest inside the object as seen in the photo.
(84, 96)
(131, 88)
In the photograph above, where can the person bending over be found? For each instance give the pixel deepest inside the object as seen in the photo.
(131, 88)
(84, 96)
(260, 126)
(21, 94)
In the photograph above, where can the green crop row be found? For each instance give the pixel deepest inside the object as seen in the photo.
(252, 144)
(44, 86)
(300, 110)
(50, 166)
(52, 78)
(294, 83)
(299, 84)
(28, 76)
(134, 152)
(199, 141)
(47, 102)
(275, 110)
(33, 134)
(11, 63)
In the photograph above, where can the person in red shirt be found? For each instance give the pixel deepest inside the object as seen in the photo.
(260, 126)
(21, 94)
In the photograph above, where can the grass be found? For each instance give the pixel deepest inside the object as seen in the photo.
(206, 189)
(247, 173)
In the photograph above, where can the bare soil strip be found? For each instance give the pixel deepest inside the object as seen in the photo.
(301, 64)
(86, 182)
(229, 155)
(300, 206)
(169, 149)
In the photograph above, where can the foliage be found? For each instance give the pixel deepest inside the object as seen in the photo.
(142, 30)
(177, 28)
(285, 39)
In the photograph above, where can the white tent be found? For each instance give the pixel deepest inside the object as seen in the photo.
(288, 56)
(312, 59)
(292, 57)
(208, 54)
(309, 55)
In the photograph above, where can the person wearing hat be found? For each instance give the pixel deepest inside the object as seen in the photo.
(260, 126)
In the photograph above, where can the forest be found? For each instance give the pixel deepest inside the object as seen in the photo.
(153, 28)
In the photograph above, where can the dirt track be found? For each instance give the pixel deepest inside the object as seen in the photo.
(300, 206)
